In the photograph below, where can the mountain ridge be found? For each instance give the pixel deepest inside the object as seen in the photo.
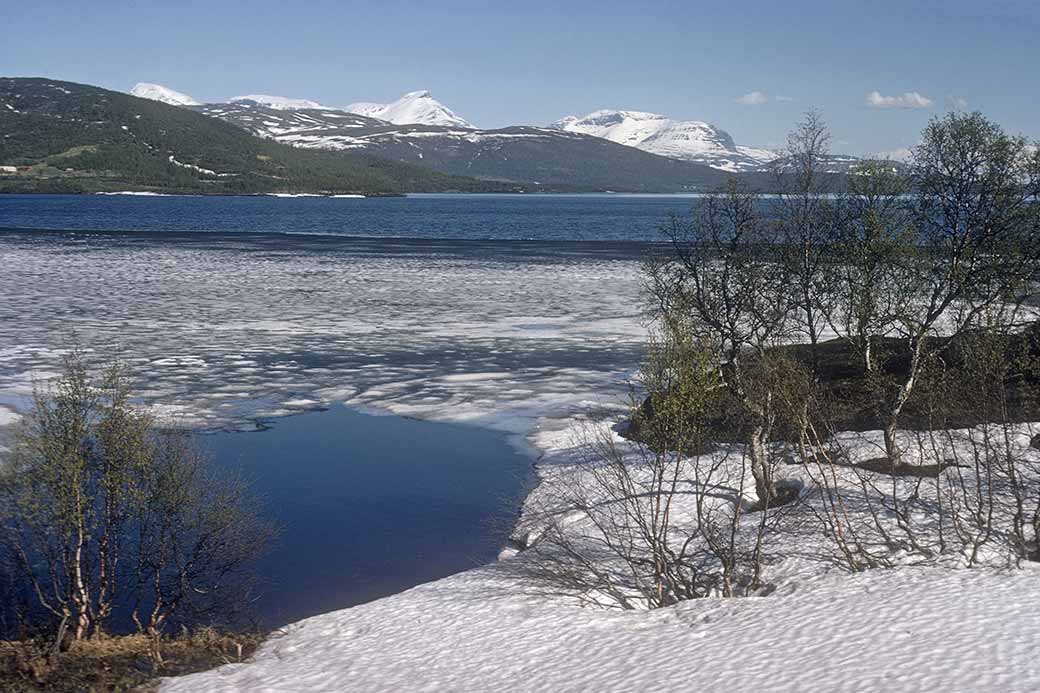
(538, 156)
(279, 103)
(685, 140)
(68, 137)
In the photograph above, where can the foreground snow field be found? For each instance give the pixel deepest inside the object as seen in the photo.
(905, 630)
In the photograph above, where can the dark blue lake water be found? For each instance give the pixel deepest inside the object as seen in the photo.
(372, 505)
(489, 217)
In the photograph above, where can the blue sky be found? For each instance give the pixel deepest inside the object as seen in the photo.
(500, 63)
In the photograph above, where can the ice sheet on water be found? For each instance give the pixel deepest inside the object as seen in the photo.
(222, 330)
(8, 416)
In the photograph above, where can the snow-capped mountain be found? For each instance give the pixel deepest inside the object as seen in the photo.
(157, 92)
(281, 103)
(415, 107)
(688, 140)
(538, 155)
(306, 123)
(595, 151)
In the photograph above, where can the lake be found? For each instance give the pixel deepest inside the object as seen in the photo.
(372, 505)
(470, 217)
(484, 316)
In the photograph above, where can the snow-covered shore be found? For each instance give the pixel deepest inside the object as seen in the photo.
(908, 628)
(226, 330)
(905, 630)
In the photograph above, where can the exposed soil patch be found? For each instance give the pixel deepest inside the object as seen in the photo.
(786, 493)
(883, 465)
(124, 663)
(848, 399)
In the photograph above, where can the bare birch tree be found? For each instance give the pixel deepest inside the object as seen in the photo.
(806, 220)
(99, 509)
(643, 524)
(725, 287)
(873, 243)
(973, 199)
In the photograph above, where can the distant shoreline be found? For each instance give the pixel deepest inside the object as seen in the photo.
(157, 193)
(766, 195)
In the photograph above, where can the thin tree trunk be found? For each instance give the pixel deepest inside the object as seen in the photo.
(892, 419)
(760, 467)
(80, 595)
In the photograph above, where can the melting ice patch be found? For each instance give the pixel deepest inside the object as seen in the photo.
(224, 331)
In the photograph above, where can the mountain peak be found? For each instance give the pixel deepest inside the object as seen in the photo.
(281, 103)
(690, 140)
(157, 92)
(415, 107)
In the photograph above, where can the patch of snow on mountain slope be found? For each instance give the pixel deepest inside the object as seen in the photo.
(688, 140)
(157, 92)
(316, 128)
(416, 107)
(280, 103)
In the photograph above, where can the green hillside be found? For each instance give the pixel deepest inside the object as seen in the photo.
(68, 137)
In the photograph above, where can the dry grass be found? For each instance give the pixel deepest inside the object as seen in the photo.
(123, 663)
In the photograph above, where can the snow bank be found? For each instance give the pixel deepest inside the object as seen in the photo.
(8, 416)
(906, 630)
(280, 103)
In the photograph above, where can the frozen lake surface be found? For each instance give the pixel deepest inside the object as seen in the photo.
(229, 329)
(232, 331)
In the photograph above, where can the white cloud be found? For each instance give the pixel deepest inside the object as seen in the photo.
(783, 99)
(956, 103)
(910, 99)
(753, 98)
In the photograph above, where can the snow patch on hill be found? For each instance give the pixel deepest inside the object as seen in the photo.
(315, 128)
(157, 92)
(280, 103)
(688, 140)
(416, 107)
